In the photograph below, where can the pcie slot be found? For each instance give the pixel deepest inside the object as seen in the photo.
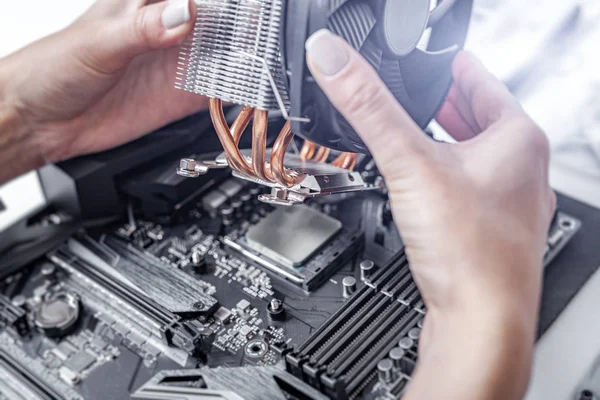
(336, 321)
(344, 345)
(389, 340)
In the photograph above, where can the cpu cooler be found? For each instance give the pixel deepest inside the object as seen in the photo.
(251, 53)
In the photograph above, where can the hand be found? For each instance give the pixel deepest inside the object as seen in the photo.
(474, 217)
(103, 81)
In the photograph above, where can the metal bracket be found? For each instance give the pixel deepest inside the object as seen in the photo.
(190, 168)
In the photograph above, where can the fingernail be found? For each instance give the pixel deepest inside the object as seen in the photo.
(177, 13)
(327, 52)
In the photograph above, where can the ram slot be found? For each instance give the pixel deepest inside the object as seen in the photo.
(337, 321)
(383, 274)
(328, 331)
(400, 287)
(353, 354)
(372, 316)
(367, 365)
(410, 295)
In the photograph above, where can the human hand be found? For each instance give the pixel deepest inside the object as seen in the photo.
(105, 80)
(474, 216)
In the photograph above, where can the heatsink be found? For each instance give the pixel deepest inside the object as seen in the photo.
(233, 53)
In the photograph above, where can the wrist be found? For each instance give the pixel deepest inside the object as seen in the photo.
(19, 151)
(485, 354)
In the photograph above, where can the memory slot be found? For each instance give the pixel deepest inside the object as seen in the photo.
(353, 359)
(336, 321)
(368, 364)
(384, 274)
(372, 316)
(401, 274)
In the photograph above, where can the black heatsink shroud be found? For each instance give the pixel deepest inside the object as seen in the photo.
(386, 33)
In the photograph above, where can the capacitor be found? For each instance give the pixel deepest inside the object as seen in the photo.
(19, 300)
(385, 370)
(48, 269)
(197, 259)
(366, 269)
(396, 355)
(406, 343)
(237, 208)
(414, 333)
(226, 212)
(348, 286)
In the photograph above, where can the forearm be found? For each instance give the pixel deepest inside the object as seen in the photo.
(19, 148)
(476, 357)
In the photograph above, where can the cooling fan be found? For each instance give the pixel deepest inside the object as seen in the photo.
(251, 53)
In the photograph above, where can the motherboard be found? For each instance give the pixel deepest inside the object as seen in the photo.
(237, 299)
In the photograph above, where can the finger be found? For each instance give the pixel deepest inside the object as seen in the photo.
(487, 97)
(355, 89)
(463, 107)
(454, 123)
(157, 26)
(102, 9)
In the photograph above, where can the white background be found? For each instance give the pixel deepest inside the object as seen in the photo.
(22, 22)
(570, 346)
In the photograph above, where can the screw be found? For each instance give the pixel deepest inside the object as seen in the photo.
(275, 304)
(187, 168)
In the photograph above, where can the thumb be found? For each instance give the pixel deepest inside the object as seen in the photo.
(358, 93)
(157, 26)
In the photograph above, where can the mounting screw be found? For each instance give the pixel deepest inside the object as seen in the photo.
(276, 310)
(187, 168)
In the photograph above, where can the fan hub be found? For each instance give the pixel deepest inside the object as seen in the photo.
(403, 24)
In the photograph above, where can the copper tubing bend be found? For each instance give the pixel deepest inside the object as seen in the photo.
(308, 150)
(345, 160)
(259, 146)
(274, 171)
(240, 123)
(280, 146)
(232, 153)
(322, 154)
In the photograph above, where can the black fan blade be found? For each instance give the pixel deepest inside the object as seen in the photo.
(439, 12)
(371, 52)
(421, 68)
(353, 22)
(335, 4)
(390, 73)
